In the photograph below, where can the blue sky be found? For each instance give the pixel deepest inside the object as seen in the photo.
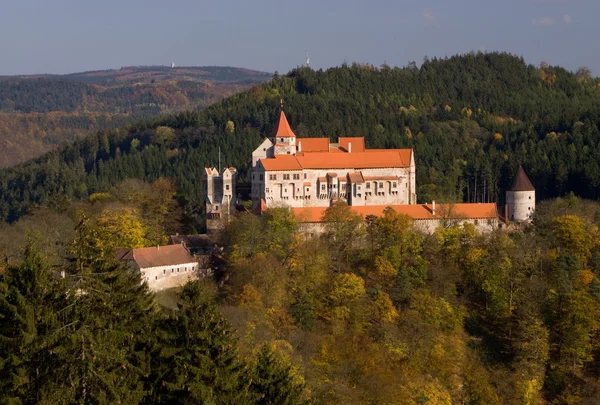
(64, 36)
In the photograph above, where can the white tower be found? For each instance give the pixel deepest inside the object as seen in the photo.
(520, 198)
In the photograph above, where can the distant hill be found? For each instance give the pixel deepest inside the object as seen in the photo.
(472, 120)
(40, 112)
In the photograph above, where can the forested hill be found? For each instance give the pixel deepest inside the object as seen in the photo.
(38, 113)
(472, 119)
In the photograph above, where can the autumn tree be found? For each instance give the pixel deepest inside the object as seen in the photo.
(164, 136)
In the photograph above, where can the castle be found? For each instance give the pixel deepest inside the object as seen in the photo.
(307, 175)
(311, 172)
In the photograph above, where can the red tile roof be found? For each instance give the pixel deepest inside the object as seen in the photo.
(170, 255)
(282, 128)
(313, 145)
(281, 162)
(356, 177)
(415, 211)
(359, 160)
(358, 144)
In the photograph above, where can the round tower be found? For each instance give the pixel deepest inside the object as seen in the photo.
(520, 198)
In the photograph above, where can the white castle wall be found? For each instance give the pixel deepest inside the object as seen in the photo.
(520, 205)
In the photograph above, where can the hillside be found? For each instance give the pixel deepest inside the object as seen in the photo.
(472, 120)
(40, 112)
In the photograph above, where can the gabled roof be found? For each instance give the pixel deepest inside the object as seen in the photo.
(415, 211)
(356, 177)
(313, 145)
(282, 128)
(170, 255)
(359, 160)
(358, 143)
(281, 162)
(521, 182)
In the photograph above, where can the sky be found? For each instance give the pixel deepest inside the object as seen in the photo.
(67, 36)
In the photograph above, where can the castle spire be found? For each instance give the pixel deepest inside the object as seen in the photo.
(522, 182)
(282, 127)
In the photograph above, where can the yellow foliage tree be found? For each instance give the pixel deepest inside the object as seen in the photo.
(230, 127)
(122, 227)
(386, 311)
(574, 237)
(347, 287)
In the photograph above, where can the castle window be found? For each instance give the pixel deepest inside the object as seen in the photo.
(272, 177)
(476, 222)
(305, 176)
(296, 177)
(394, 184)
(267, 189)
(368, 185)
(380, 185)
(227, 187)
(156, 277)
(164, 271)
(489, 221)
(264, 149)
(216, 207)
(286, 176)
(323, 187)
(261, 177)
(530, 197)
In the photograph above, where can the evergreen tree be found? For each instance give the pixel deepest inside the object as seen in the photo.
(274, 382)
(99, 354)
(198, 361)
(29, 296)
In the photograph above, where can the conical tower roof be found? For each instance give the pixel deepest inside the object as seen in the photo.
(521, 182)
(282, 128)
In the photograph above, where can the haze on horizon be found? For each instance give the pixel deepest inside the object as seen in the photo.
(67, 36)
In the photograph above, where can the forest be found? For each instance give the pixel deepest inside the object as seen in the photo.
(472, 120)
(41, 113)
(371, 312)
(367, 313)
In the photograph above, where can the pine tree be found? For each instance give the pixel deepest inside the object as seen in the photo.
(273, 381)
(28, 294)
(100, 353)
(198, 361)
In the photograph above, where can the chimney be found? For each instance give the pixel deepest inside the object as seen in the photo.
(300, 146)
(433, 207)
(349, 147)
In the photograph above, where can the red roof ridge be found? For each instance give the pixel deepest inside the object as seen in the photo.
(415, 211)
